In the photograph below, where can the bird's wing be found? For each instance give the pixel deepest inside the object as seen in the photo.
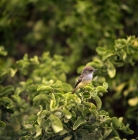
(79, 80)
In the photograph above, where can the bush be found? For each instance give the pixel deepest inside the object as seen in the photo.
(33, 106)
(69, 116)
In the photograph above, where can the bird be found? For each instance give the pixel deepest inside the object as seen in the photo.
(85, 78)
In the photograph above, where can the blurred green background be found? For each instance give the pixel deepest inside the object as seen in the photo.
(80, 31)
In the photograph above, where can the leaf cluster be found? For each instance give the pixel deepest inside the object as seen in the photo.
(38, 108)
(70, 116)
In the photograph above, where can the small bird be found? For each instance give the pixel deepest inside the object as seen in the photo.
(85, 78)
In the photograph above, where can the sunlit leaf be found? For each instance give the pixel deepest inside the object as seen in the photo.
(94, 93)
(56, 123)
(13, 72)
(98, 102)
(123, 54)
(67, 114)
(67, 138)
(133, 101)
(89, 105)
(105, 85)
(42, 87)
(34, 60)
(52, 104)
(89, 87)
(111, 69)
(101, 89)
(38, 131)
(57, 84)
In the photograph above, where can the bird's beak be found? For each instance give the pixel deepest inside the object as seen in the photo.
(95, 70)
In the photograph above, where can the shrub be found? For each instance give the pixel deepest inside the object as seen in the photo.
(34, 106)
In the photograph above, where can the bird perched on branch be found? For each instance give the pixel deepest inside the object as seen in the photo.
(85, 78)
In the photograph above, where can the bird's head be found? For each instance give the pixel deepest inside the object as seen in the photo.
(89, 69)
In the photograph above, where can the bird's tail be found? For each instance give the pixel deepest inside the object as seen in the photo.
(74, 90)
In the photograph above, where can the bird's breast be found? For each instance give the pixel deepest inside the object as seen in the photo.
(88, 77)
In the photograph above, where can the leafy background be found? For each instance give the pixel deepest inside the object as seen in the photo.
(45, 41)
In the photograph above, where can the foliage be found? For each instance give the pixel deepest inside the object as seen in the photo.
(120, 64)
(71, 28)
(75, 29)
(45, 68)
(70, 116)
(19, 87)
(43, 108)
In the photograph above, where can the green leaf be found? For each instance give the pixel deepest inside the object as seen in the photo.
(67, 114)
(80, 120)
(126, 129)
(105, 85)
(116, 122)
(107, 132)
(111, 69)
(94, 93)
(58, 114)
(34, 60)
(17, 99)
(123, 54)
(42, 87)
(66, 87)
(6, 90)
(32, 119)
(52, 105)
(3, 74)
(89, 105)
(100, 50)
(12, 72)
(57, 84)
(24, 62)
(86, 95)
(101, 89)
(107, 54)
(2, 51)
(47, 124)
(41, 109)
(56, 123)
(97, 63)
(7, 102)
(67, 138)
(2, 124)
(38, 131)
(98, 102)
(133, 101)
(39, 121)
(41, 97)
(89, 87)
